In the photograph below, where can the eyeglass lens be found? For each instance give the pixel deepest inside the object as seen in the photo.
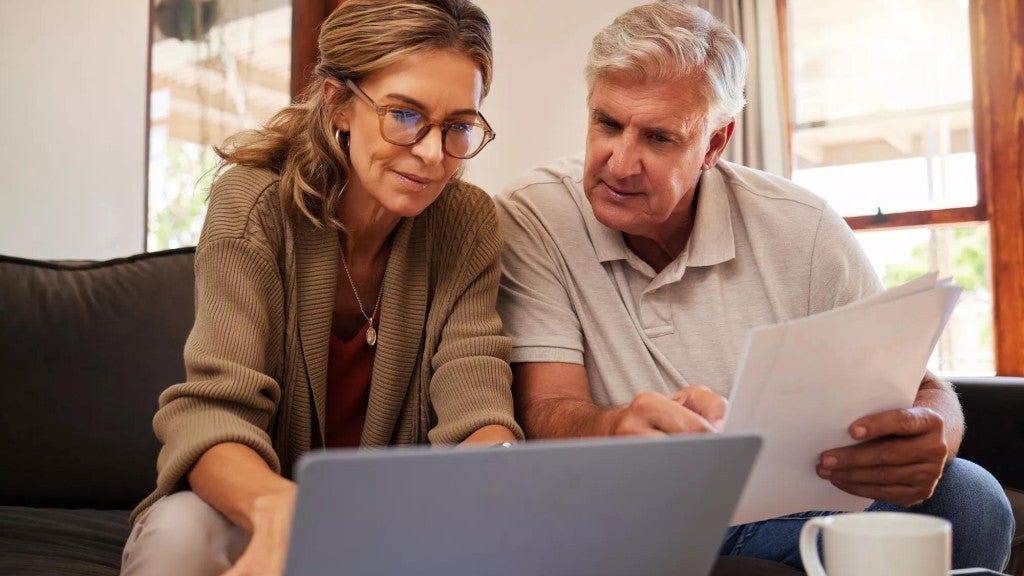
(405, 127)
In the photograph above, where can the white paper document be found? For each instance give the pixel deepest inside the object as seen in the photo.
(802, 383)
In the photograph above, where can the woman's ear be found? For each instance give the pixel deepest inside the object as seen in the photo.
(332, 94)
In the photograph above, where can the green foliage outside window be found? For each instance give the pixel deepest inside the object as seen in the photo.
(968, 246)
(178, 194)
(959, 252)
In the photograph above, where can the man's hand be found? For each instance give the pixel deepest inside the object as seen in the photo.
(900, 460)
(692, 409)
(704, 402)
(272, 518)
(553, 400)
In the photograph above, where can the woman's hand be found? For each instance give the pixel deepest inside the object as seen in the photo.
(271, 524)
(235, 480)
(492, 434)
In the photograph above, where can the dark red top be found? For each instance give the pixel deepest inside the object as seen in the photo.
(349, 368)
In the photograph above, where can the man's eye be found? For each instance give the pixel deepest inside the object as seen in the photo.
(463, 127)
(660, 139)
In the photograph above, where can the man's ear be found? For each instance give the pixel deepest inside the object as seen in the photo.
(716, 146)
(332, 94)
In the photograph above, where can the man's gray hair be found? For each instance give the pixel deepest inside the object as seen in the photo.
(668, 39)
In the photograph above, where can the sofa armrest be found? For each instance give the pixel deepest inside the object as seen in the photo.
(994, 438)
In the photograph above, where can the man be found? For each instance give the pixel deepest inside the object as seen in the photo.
(631, 280)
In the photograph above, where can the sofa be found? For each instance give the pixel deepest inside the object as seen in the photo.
(86, 349)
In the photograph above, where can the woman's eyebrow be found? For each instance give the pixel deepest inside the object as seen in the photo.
(416, 103)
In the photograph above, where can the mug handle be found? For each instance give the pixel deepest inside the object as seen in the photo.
(809, 544)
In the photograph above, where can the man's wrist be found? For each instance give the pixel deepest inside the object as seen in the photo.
(610, 419)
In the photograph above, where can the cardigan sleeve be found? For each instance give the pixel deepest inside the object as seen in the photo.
(233, 351)
(471, 383)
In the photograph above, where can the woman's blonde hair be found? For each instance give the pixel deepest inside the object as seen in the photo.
(359, 38)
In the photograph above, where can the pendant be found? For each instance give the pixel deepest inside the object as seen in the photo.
(371, 335)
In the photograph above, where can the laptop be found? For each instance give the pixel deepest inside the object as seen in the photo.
(593, 507)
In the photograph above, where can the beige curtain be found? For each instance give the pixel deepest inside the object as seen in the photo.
(760, 137)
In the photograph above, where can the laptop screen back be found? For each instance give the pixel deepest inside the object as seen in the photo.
(590, 507)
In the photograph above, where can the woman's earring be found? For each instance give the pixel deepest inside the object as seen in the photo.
(342, 138)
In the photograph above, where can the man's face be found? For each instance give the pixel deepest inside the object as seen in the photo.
(646, 146)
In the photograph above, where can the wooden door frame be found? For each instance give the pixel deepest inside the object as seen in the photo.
(307, 15)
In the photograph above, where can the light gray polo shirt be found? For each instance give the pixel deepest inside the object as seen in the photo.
(762, 250)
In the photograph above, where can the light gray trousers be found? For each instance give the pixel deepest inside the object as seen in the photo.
(182, 534)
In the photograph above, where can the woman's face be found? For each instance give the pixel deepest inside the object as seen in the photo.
(404, 180)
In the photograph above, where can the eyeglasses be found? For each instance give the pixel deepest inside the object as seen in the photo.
(461, 139)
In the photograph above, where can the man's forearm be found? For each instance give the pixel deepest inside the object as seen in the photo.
(566, 418)
(940, 397)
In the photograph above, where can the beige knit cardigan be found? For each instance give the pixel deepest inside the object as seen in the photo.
(256, 359)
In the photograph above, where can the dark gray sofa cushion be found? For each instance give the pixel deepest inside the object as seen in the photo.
(85, 350)
(49, 541)
(994, 434)
(1016, 562)
(994, 439)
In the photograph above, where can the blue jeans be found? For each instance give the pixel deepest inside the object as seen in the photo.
(966, 495)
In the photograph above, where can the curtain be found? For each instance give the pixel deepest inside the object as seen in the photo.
(759, 140)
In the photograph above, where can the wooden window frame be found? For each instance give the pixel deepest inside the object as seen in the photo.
(997, 59)
(997, 47)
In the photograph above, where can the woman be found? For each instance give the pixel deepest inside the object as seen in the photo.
(345, 289)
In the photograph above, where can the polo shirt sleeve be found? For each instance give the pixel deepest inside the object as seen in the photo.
(840, 270)
(534, 301)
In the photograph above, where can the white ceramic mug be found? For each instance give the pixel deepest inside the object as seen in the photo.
(877, 544)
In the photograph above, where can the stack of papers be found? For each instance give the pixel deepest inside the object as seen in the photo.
(802, 383)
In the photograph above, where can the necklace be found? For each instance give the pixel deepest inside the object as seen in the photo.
(371, 334)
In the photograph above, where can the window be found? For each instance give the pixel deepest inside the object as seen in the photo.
(883, 128)
(216, 67)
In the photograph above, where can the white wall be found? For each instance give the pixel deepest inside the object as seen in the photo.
(72, 113)
(72, 127)
(537, 103)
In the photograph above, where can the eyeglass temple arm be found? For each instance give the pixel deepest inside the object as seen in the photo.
(359, 92)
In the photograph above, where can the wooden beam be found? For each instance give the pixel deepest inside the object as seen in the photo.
(997, 43)
(265, 72)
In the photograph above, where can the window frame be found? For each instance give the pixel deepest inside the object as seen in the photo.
(997, 54)
(997, 59)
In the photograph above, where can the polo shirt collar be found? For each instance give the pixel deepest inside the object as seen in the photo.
(608, 244)
(711, 242)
